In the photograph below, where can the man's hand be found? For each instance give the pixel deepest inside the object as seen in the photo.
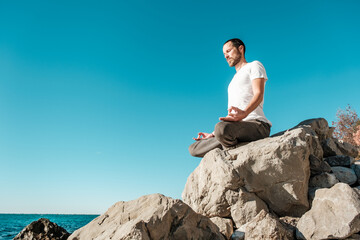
(234, 115)
(202, 135)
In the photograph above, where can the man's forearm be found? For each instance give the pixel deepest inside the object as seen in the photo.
(254, 103)
(258, 86)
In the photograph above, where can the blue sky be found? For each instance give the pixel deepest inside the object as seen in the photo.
(100, 101)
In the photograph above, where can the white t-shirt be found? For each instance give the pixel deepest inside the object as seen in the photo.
(240, 90)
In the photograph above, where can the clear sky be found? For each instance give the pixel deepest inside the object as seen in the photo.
(99, 100)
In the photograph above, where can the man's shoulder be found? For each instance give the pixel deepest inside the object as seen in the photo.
(257, 70)
(256, 63)
(256, 66)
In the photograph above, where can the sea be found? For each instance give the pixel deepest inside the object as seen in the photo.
(12, 224)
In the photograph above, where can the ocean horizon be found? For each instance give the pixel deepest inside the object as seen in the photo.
(12, 223)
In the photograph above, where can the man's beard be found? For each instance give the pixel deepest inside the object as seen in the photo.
(235, 61)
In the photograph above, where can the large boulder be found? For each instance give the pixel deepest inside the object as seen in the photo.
(335, 214)
(267, 226)
(42, 229)
(276, 169)
(207, 187)
(152, 217)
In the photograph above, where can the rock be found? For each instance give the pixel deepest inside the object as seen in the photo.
(319, 125)
(311, 194)
(324, 180)
(205, 189)
(317, 128)
(289, 222)
(335, 214)
(318, 166)
(330, 148)
(239, 234)
(357, 189)
(42, 229)
(341, 160)
(345, 175)
(354, 237)
(333, 147)
(348, 149)
(244, 206)
(266, 226)
(356, 168)
(275, 169)
(225, 226)
(149, 217)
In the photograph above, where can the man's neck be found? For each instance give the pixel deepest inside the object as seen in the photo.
(240, 64)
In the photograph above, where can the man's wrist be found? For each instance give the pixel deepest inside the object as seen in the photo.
(246, 112)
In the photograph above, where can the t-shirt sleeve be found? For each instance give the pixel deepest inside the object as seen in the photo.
(257, 70)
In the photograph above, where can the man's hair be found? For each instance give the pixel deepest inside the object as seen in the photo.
(236, 43)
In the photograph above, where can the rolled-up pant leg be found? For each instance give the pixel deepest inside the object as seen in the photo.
(232, 133)
(201, 147)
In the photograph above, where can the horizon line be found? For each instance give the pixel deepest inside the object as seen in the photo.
(53, 213)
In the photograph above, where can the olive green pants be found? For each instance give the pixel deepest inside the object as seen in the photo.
(228, 134)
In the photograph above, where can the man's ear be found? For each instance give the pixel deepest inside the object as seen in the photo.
(241, 49)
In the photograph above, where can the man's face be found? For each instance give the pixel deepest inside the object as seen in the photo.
(232, 54)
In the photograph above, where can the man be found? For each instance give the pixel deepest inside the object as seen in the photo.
(245, 121)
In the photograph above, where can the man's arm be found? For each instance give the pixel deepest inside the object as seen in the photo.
(235, 114)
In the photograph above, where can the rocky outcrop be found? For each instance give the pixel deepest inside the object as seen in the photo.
(335, 213)
(42, 229)
(276, 169)
(294, 181)
(152, 217)
(270, 178)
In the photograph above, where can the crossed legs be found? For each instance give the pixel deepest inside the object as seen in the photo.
(228, 134)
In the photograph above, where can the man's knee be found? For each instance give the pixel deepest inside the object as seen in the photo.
(221, 130)
(194, 151)
(201, 147)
